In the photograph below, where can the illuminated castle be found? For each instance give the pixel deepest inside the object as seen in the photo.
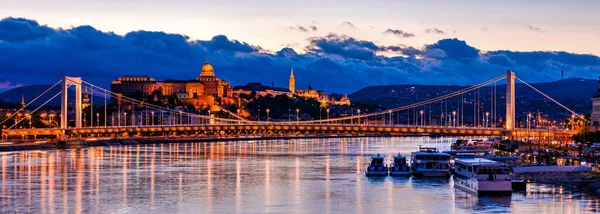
(204, 91)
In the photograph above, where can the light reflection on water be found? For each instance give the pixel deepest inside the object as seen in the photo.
(310, 175)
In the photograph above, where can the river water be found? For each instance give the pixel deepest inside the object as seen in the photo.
(279, 176)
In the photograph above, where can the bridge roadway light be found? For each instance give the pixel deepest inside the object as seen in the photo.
(358, 116)
(297, 115)
(97, 119)
(453, 118)
(268, 110)
(487, 119)
(125, 119)
(422, 120)
(51, 117)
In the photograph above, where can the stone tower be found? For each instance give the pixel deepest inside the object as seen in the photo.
(292, 86)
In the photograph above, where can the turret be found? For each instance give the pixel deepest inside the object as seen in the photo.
(292, 86)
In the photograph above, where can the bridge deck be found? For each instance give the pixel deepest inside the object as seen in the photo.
(278, 127)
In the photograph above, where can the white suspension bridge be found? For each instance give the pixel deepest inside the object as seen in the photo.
(120, 115)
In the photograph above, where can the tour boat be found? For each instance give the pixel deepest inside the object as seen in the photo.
(377, 166)
(429, 162)
(480, 176)
(399, 167)
(473, 144)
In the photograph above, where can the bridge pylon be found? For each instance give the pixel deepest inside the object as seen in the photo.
(510, 101)
(66, 83)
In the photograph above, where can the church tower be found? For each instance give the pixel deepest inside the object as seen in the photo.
(86, 99)
(292, 86)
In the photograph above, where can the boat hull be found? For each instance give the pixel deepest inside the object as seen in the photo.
(432, 173)
(480, 188)
(376, 173)
(400, 173)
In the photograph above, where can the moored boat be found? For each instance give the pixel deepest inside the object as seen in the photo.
(429, 162)
(473, 144)
(480, 176)
(377, 166)
(399, 167)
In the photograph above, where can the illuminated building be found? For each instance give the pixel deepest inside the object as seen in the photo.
(204, 91)
(596, 109)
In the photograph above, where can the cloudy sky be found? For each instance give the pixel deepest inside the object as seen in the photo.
(332, 45)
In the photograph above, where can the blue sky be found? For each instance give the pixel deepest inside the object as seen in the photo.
(355, 43)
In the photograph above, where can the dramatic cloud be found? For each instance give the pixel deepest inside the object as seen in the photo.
(535, 29)
(8, 85)
(348, 24)
(398, 33)
(434, 31)
(303, 29)
(31, 53)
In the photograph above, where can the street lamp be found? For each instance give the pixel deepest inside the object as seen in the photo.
(453, 118)
(124, 118)
(358, 116)
(327, 115)
(97, 119)
(297, 114)
(268, 110)
(152, 118)
(51, 119)
(487, 120)
(289, 115)
(422, 120)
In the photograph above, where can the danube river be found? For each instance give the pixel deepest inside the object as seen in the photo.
(282, 176)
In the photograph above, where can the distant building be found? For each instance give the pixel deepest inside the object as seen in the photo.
(204, 91)
(320, 95)
(596, 109)
(260, 90)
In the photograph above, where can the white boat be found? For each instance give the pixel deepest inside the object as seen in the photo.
(377, 166)
(480, 176)
(473, 144)
(429, 162)
(399, 167)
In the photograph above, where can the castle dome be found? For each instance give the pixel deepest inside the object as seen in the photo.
(207, 70)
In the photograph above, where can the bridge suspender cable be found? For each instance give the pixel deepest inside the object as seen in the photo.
(47, 101)
(550, 98)
(155, 107)
(30, 102)
(436, 99)
(440, 98)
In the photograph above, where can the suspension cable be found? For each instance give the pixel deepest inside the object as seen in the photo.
(31, 113)
(548, 97)
(30, 102)
(156, 107)
(402, 108)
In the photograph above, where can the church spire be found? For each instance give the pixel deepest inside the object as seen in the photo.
(22, 100)
(292, 86)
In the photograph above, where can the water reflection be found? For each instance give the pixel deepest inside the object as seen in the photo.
(311, 175)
